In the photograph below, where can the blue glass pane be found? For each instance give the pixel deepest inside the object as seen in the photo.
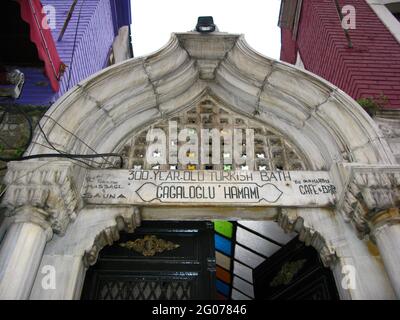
(223, 288)
(223, 245)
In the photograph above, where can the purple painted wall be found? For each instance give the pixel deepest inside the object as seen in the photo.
(98, 25)
(95, 35)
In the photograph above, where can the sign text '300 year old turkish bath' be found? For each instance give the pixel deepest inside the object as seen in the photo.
(252, 188)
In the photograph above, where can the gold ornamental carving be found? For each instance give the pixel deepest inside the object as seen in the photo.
(149, 245)
(287, 273)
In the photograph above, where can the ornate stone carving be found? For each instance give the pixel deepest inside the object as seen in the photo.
(125, 222)
(149, 245)
(294, 223)
(389, 131)
(287, 273)
(369, 192)
(49, 186)
(36, 216)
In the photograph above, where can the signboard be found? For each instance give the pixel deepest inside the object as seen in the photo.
(233, 188)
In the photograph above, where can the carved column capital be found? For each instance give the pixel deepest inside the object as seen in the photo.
(52, 188)
(36, 216)
(385, 219)
(370, 192)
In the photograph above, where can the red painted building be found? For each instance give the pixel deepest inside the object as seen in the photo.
(364, 61)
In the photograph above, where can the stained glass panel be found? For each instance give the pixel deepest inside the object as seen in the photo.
(224, 227)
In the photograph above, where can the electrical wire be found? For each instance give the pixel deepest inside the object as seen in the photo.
(50, 144)
(82, 156)
(59, 151)
(22, 112)
(44, 146)
(61, 154)
(2, 117)
(56, 155)
(7, 110)
(74, 135)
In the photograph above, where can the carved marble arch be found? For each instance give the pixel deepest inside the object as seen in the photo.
(272, 150)
(101, 113)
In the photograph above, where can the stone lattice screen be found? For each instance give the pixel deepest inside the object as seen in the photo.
(272, 150)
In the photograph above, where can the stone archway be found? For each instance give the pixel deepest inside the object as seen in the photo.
(98, 227)
(78, 249)
(329, 128)
(327, 123)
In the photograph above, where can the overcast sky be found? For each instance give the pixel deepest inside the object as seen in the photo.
(155, 20)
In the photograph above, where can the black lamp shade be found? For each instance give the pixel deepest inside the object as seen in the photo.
(205, 24)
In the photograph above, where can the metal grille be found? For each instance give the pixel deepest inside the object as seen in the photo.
(145, 289)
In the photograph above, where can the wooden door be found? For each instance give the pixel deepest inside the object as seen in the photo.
(295, 272)
(160, 261)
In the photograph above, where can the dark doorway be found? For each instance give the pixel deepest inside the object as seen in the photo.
(17, 47)
(160, 261)
(295, 272)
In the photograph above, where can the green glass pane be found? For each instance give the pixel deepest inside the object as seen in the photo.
(227, 167)
(224, 227)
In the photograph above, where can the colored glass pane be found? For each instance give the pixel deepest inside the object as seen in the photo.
(224, 227)
(222, 288)
(223, 245)
(223, 260)
(223, 275)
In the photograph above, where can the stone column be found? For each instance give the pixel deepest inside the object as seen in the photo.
(21, 252)
(370, 201)
(41, 198)
(386, 231)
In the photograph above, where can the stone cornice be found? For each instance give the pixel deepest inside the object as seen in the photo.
(290, 222)
(50, 187)
(124, 222)
(370, 191)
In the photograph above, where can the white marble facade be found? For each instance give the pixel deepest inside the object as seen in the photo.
(49, 223)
